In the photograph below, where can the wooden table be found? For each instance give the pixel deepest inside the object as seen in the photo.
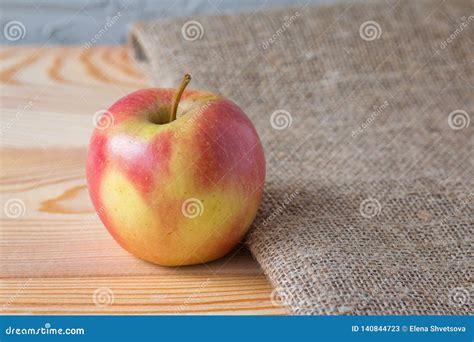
(56, 257)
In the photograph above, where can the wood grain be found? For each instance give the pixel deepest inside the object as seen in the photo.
(54, 251)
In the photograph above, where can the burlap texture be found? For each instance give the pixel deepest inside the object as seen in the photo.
(368, 200)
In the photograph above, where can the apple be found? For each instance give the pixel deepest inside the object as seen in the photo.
(176, 176)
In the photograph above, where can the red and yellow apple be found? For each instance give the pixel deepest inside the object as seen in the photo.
(176, 176)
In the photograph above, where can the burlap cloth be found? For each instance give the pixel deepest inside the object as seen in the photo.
(364, 112)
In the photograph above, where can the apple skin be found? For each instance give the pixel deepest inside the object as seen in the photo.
(142, 169)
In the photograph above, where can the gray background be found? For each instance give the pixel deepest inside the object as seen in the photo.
(54, 22)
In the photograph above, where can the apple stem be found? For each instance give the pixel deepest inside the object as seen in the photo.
(184, 83)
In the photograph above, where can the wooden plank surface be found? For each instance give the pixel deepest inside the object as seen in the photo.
(56, 257)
